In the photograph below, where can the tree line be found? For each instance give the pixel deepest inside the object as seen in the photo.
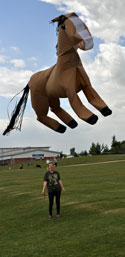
(117, 147)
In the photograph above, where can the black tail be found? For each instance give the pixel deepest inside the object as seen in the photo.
(17, 114)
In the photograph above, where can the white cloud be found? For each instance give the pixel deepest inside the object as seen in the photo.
(32, 58)
(2, 59)
(18, 63)
(11, 81)
(105, 19)
(15, 49)
(56, 2)
(107, 74)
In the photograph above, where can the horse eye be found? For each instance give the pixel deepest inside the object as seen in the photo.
(63, 27)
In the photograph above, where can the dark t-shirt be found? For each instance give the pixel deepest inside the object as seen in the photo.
(52, 181)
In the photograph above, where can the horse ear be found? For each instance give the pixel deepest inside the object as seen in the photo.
(71, 14)
(57, 19)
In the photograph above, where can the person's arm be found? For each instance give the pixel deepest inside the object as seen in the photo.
(44, 187)
(61, 184)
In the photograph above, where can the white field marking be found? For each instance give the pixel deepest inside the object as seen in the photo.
(115, 210)
(71, 203)
(86, 164)
(81, 204)
(19, 193)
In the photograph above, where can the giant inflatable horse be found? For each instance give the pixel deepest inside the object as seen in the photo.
(65, 79)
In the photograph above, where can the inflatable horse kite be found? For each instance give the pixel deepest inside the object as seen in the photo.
(65, 79)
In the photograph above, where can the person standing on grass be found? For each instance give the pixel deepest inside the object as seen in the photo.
(55, 161)
(54, 185)
(47, 163)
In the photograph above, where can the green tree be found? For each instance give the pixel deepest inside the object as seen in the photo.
(123, 147)
(92, 150)
(95, 149)
(98, 148)
(72, 151)
(115, 146)
(83, 153)
(114, 142)
(105, 149)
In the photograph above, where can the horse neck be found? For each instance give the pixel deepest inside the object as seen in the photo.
(64, 44)
(67, 55)
(68, 58)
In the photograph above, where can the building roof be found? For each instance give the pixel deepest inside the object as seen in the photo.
(6, 153)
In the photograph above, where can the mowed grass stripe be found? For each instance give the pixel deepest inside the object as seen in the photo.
(93, 163)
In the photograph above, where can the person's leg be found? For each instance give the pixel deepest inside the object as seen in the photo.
(51, 198)
(58, 194)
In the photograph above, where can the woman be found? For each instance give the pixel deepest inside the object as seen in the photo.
(54, 185)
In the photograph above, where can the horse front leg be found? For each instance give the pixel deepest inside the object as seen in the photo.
(91, 94)
(51, 123)
(81, 111)
(61, 113)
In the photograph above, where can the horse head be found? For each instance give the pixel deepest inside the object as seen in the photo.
(72, 32)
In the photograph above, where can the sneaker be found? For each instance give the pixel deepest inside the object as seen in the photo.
(50, 217)
(57, 216)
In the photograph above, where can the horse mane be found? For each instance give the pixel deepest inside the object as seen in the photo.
(59, 21)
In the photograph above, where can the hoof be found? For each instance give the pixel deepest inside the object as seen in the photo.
(92, 119)
(72, 124)
(106, 111)
(61, 129)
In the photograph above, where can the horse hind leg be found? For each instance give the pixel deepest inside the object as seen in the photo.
(62, 114)
(92, 96)
(41, 106)
(94, 99)
(82, 112)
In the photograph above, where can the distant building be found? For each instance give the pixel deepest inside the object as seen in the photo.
(21, 154)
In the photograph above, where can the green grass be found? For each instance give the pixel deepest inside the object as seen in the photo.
(66, 161)
(92, 212)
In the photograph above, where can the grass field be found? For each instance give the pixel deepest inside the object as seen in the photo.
(92, 222)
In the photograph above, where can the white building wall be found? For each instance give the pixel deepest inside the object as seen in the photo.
(26, 152)
(30, 154)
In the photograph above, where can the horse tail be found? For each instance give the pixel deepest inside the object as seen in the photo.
(17, 114)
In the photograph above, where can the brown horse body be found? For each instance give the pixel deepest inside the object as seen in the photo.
(64, 80)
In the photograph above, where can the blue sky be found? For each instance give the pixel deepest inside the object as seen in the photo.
(27, 44)
(26, 25)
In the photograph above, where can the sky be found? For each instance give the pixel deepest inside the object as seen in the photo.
(27, 45)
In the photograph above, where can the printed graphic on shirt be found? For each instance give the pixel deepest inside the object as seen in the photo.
(53, 179)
